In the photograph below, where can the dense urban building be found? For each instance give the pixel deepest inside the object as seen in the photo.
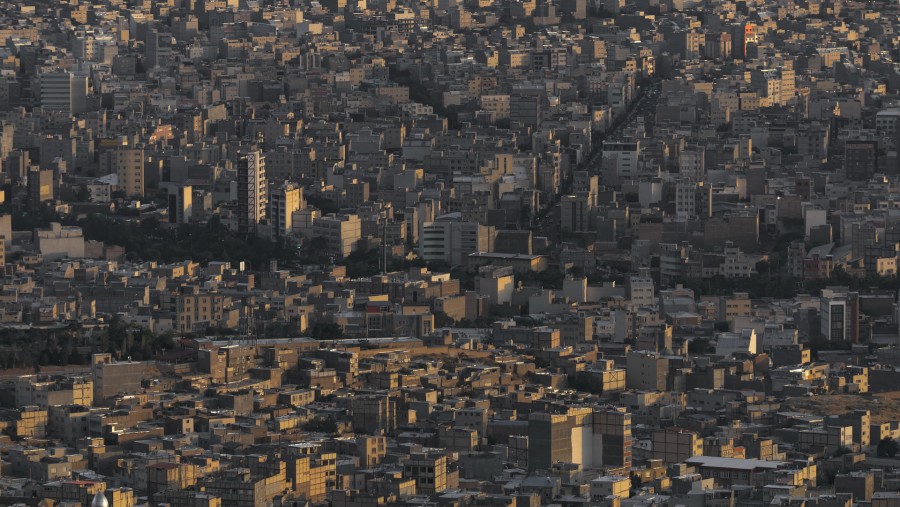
(612, 253)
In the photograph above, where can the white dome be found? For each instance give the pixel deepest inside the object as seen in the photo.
(99, 500)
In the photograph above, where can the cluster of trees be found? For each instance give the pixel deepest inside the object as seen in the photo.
(326, 331)
(444, 320)
(149, 239)
(321, 425)
(700, 345)
(211, 241)
(772, 284)
(840, 277)
(887, 448)
(758, 286)
(33, 348)
(138, 343)
(326, 206)
(365, 263)
(27, 220)
(73, 344)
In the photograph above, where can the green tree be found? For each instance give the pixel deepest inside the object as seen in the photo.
(75, 357)
(326, 331)
(320, 425)
(698, 346)
(888, 448)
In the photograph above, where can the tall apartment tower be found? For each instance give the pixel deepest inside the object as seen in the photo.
(128, 164)
(374, 412)
(741, 35)
(62, 90)
(646, 371)
(158, 49)
(592, 438)
(839, 314)
(429, 469)
(549, 440)
(283, 202)
(674, 445)
(860, 159)
(181, 204)
(251, 191)
(612, 426)
(40, 187)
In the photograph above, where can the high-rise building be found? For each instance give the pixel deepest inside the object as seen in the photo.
(251, 191)
(788, 83)
(575, 213)
(887, 122)
(620, 160)
(374, 412)
(283, 202)
(688, 44)
(496, 282)
(768, 83)
(592, 438)
(640, 289)
(429, 469)
(549, 440)
(341, 232)
(646, 371)
(860, 159)
(612, 426)
(40, 187)
(16, 166)
(158, 49)
(525, 110)
(718, 45)
(674, 445)
(584, 181)
(92, 46)
(741, 35)
(203, 309)
(692, 163)
(181, 204)
(693, 199)
(62, 90)
(839, 315)
(450, 240)
(128, 164)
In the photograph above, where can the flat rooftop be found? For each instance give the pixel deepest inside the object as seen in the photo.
(733, 463)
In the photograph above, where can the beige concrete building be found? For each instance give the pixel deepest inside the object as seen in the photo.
(59, 242)
(115, 377)
(201, 309)
(646, 371)
(241, 488)
(128, 165)
(284, 201)
(342, 233)
(674, 445)
(32, 422)
(44, 391)
(429, 470)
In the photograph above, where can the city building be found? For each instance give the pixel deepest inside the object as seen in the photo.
(252, 191)
(284, 201)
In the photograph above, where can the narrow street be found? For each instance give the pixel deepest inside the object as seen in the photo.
(548, 223)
